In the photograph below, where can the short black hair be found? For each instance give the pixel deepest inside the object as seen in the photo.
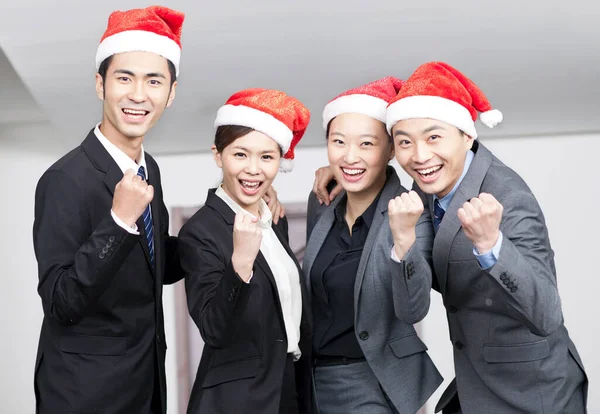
(106, 63)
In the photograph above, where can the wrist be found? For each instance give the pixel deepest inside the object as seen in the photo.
(487, 245)
(402, 245)
(127, 220)
(242, 267)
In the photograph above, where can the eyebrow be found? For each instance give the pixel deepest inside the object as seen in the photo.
(148, 75)
(361, 135)
(247, 150)
(425, 131)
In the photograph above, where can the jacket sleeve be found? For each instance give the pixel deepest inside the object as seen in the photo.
(412, 277)
(76, 262)
(215, 293)
(525, 269)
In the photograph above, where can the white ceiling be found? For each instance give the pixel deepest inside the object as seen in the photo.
(537, 61)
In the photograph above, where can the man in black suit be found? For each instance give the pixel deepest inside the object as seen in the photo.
(101, 235)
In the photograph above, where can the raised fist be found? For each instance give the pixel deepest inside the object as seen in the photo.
(404, 212)
(132, 196)
(480, 219)
(247, 237)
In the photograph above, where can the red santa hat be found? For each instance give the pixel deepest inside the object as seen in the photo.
(281, 117)
(438, 91)
(371, 99)
(155, 29)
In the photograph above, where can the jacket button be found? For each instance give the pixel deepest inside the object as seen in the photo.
(101, 255)
(513, 289)
(459, 345)
(503, 276)
(506, 281)
(452, 309)
(364, 335)
(105, 249)
(111, 239)
(510, 285)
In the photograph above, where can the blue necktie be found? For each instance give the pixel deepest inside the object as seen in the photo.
(438, 214)
(148, 228)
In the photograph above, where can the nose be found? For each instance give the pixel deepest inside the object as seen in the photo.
(138, 92)
(253, 167)
(351, 155)
(421, 154)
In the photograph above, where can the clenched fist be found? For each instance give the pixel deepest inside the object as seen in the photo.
(480, 219)
(132, 196)
(404, 212)
(247, 237)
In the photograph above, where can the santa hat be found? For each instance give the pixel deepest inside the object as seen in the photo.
(155, 29)
(283, 118)
(438, 91)
(371, 99)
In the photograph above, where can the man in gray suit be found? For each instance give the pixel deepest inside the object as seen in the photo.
(492, 259)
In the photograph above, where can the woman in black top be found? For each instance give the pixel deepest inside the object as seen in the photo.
(244, 287)
(366, 358)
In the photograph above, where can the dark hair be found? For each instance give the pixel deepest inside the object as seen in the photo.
(227, 134)
(329, 125)
(106, 63)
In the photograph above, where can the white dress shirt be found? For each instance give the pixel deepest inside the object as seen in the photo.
(125, 163)
(284, 271)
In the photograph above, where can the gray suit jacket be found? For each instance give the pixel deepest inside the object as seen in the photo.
(512, 352)
(381, 299)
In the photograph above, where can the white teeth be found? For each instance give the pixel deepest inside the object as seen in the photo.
(134, 112)
(429, 170)
(353, 171)
(251, 184)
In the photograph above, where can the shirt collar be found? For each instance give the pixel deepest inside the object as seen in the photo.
(265, 219)
(366, 217)
(123, 161)
(445, 201)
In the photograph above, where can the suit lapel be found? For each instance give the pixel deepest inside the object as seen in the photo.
(317, 238)
(102, 160)
(390, 190)
(450, 225)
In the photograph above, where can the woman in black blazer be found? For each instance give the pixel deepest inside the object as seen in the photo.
(244, 287)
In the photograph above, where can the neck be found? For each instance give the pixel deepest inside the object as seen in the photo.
(358, 202)
(130, 146)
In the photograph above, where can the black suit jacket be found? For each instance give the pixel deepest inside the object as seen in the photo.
(102, 344)
(245, 350)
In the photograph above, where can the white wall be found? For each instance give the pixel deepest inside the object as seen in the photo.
(20, 306)
(559, 170)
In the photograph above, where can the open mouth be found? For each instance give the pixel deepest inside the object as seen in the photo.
(135, 114)
(429, 174)
(250, 187)
(353, 174)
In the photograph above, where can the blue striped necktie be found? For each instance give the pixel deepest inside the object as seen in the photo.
(438, 214)
(148, 227)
